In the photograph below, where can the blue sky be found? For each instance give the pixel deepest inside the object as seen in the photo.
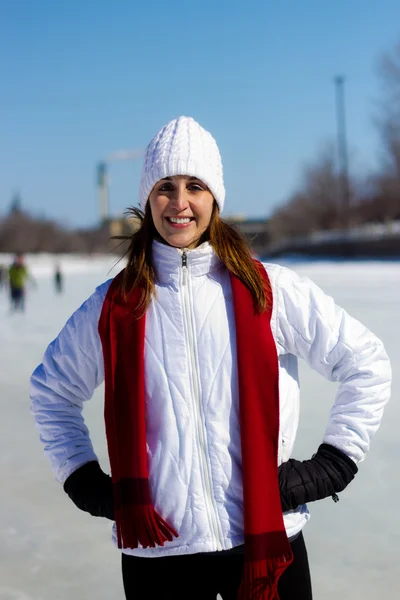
(81, 79)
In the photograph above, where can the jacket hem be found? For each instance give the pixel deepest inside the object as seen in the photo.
(206, 544)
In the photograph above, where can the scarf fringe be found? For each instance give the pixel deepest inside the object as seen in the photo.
(142, 525)
(260, 579)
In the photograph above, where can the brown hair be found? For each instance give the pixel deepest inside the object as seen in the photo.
(228, 244)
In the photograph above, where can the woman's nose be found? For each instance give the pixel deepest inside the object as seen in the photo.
(180, 199)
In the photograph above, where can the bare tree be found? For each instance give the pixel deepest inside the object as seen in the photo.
(387, 181)
(21, 232)
(315, 205)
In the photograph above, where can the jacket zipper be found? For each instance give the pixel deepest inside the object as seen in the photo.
(201, 443)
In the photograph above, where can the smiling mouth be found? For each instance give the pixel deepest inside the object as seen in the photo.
(180, 220)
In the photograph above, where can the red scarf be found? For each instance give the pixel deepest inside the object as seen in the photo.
(267, 550)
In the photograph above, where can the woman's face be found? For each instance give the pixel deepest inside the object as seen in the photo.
(181, 207)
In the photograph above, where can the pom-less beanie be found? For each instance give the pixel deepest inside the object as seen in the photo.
(183, 147)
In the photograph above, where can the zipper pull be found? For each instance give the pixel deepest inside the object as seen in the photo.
(184, 268)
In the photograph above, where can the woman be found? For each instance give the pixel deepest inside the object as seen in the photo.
(198, 346)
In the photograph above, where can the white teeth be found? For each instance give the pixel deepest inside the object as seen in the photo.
(182, 220)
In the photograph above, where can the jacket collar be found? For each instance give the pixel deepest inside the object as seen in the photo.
(168, 261)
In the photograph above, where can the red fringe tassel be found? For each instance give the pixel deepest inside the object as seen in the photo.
(141, 524)
(260, 579)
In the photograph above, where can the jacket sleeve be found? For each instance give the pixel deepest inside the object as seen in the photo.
(71, 370)
(340, 348)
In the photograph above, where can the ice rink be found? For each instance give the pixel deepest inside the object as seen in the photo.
(49, 550)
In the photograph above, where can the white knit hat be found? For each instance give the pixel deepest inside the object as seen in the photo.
(183, 147)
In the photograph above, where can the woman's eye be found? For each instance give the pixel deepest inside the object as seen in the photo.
(195, 186)
(166, 187)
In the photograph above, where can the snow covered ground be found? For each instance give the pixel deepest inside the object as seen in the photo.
(49, 550)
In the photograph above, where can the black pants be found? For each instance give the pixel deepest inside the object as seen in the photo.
(203, 576)
(17, 298)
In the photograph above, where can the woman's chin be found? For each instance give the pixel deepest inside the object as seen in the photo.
(181, 241)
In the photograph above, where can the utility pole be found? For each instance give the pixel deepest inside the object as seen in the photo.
(342, 151)
(102, 184)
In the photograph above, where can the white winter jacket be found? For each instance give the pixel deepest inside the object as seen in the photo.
(193, 438)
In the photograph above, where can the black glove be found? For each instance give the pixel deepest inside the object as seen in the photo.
(91, 490)
(329, 471)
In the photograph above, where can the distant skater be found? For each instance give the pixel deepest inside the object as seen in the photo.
(18, 275)
(58, 279)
